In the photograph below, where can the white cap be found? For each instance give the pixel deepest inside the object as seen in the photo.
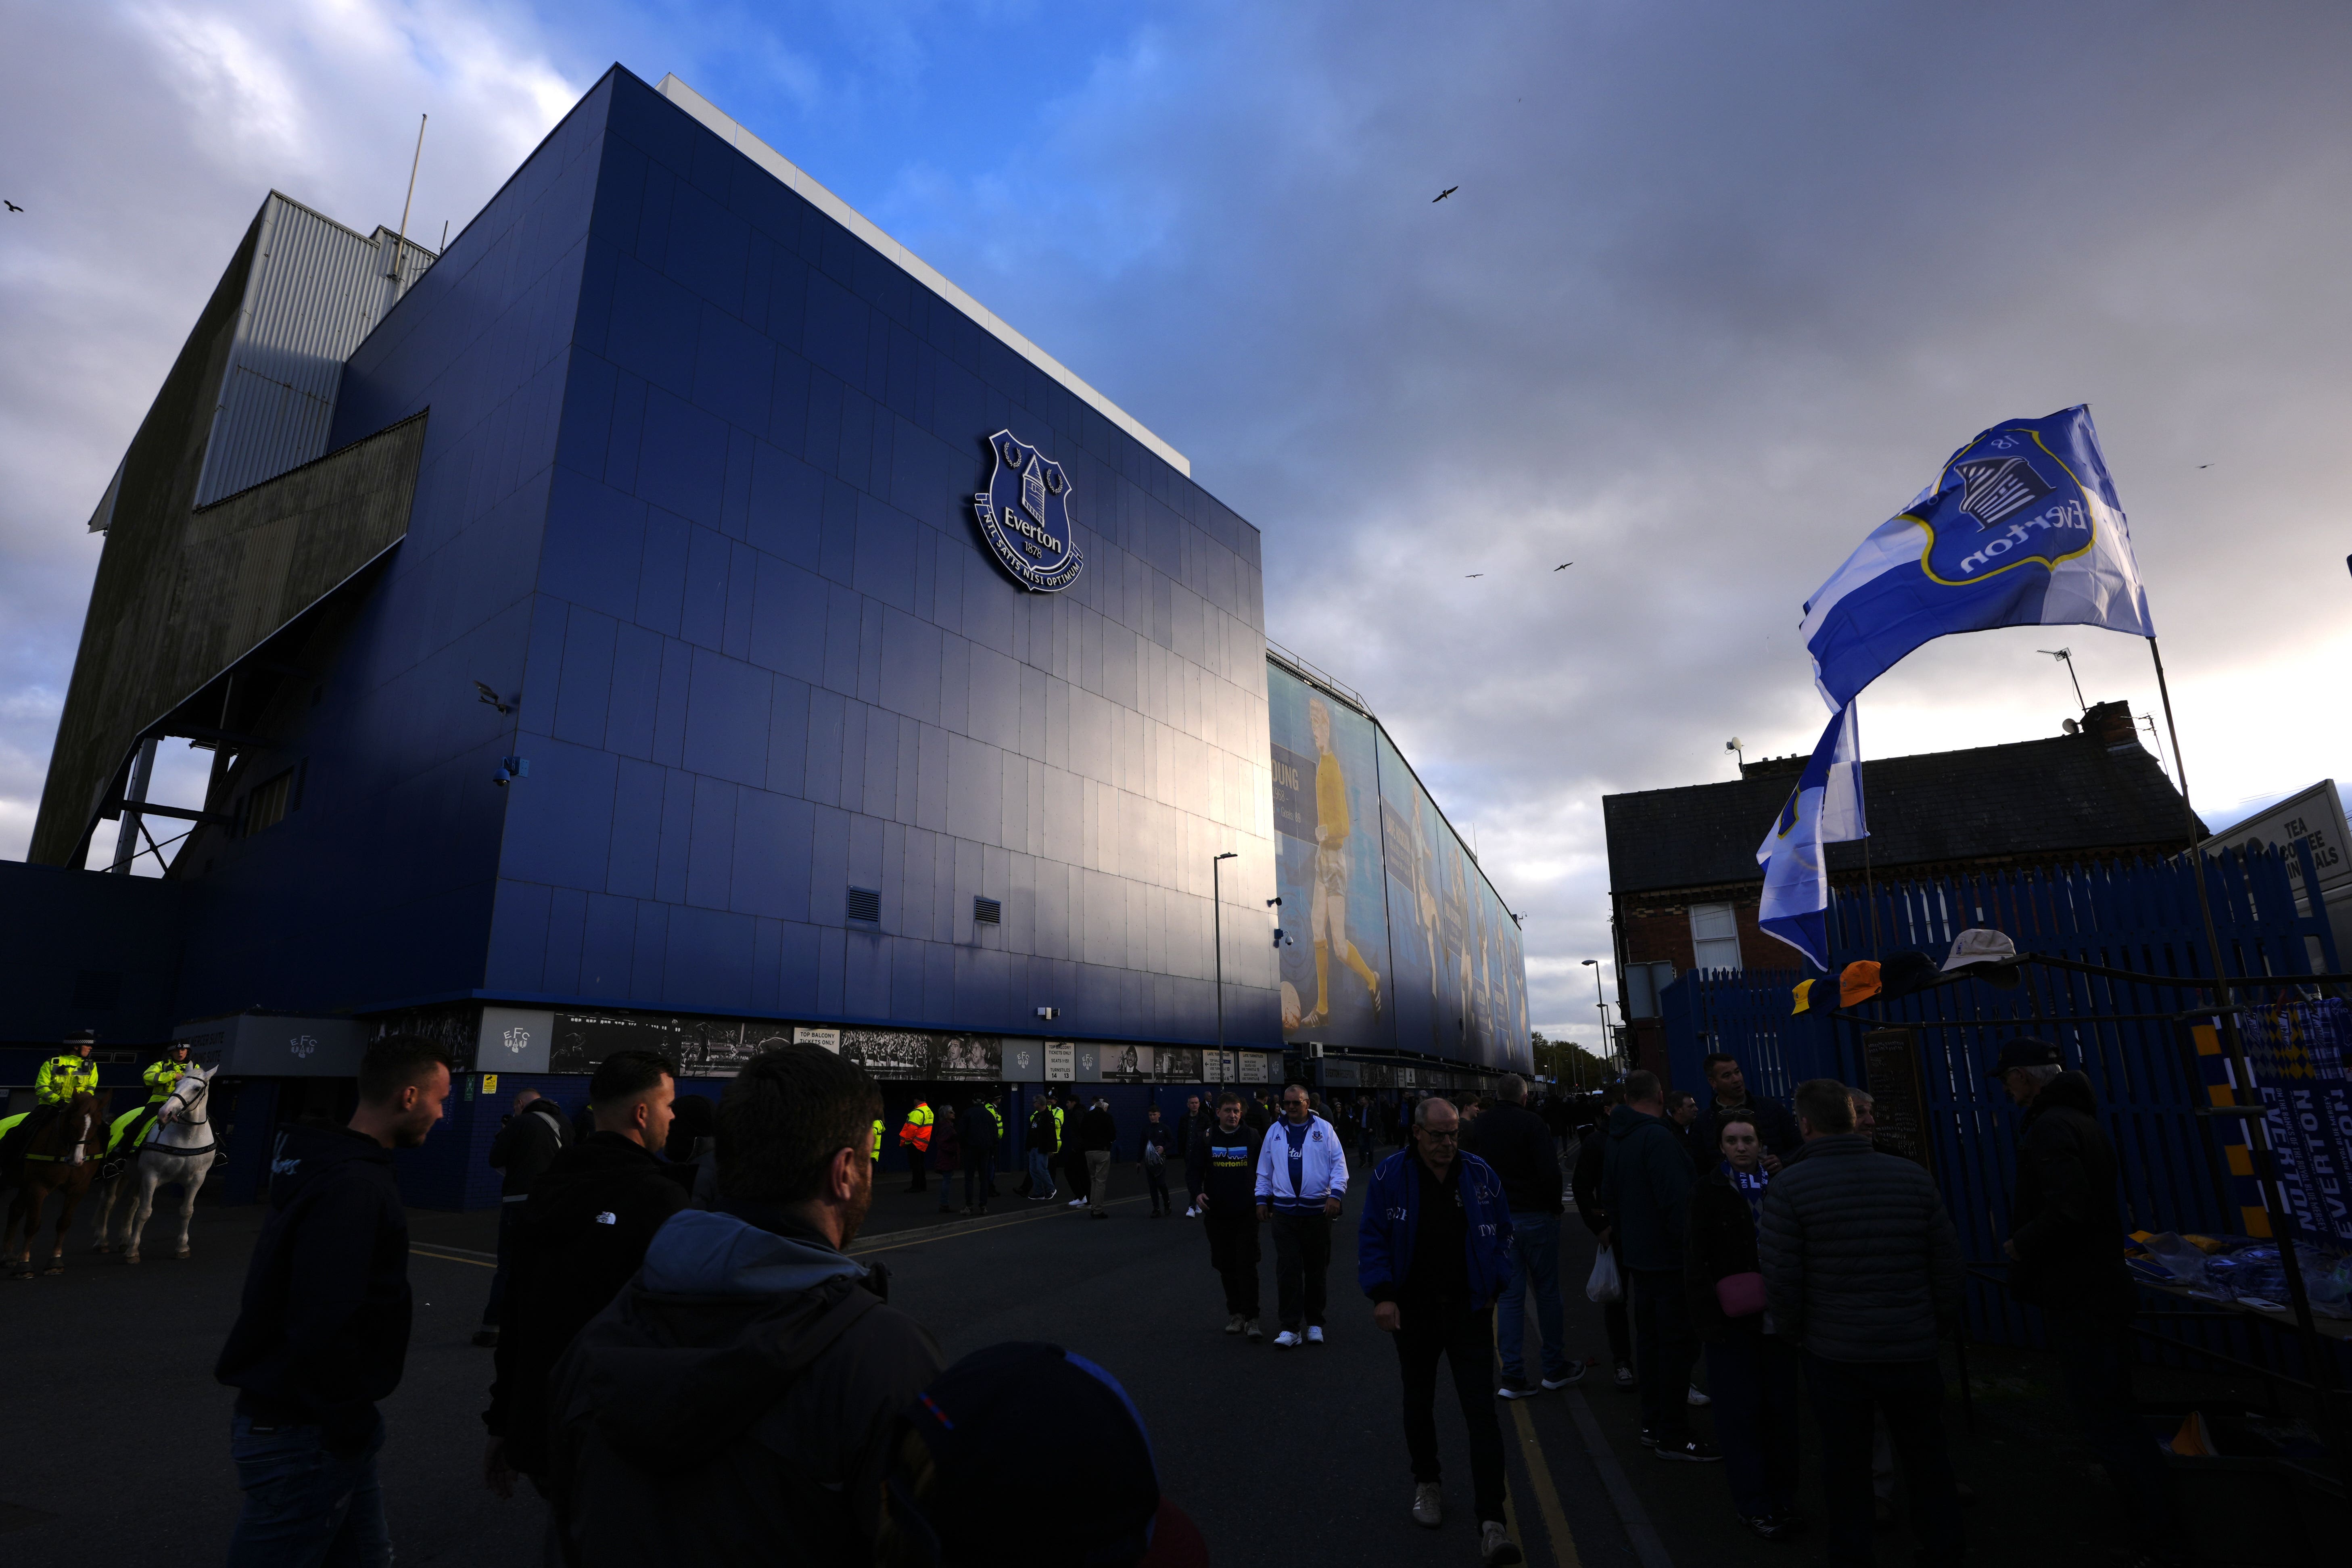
(1979, 945)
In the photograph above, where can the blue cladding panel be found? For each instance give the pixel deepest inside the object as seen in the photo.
(697, 485)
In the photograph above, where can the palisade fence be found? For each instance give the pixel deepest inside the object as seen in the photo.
(2134, 915)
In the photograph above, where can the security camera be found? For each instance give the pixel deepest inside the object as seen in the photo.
(1279, 936)
(1275, 903)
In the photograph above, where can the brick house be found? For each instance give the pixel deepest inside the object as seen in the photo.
(1683, 882)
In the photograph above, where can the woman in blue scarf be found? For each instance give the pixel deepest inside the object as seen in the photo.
(1750, 1370)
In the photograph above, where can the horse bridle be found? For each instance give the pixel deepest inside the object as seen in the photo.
(88, 1129)
(191, 1115)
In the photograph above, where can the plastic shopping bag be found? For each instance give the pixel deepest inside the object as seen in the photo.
(1604, 1285)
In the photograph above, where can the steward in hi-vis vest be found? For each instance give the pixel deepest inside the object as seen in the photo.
(915, 1137)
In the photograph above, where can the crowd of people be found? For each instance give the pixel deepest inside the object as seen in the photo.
(688, 1357)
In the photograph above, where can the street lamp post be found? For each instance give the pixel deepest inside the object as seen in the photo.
(1217, 921)
(1600, 1002)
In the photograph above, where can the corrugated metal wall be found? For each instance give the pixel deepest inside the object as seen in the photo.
(316, 290)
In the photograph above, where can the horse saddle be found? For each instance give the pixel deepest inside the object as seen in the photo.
(12, 1141)
(123, 1139)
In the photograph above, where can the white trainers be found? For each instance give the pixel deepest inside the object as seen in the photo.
(1192, 1214)
(1315, 1335)
(1496, 1546)
(1077, 1203)
(1287, 1341)
(1234, 1324)
(1696, 1397)
(1428, 1507)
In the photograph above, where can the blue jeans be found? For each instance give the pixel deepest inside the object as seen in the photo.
(1041, 1177)
(306, 1507)
(1534, 1261)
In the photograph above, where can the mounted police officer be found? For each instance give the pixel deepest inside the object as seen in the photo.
(68, 1073)
(63, 1075)
(160, 1078)
(165, 1074)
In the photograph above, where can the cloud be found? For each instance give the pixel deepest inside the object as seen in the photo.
(1722, 286)
(148, 136)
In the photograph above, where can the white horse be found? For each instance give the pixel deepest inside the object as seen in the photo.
(180, 1147)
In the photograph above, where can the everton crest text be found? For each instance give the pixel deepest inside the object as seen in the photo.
(1024, 515)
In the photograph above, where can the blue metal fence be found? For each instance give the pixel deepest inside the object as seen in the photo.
(2136, 916)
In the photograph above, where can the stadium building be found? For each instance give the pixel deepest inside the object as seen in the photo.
(676, 615)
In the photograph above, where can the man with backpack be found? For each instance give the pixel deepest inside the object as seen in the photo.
(577, 1240)
(524, 1148)
(743, 1387)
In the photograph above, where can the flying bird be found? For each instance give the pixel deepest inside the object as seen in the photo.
(1473, 574)
(2204, 465)
(1563, 565)
(12, 206)
(1445, 193)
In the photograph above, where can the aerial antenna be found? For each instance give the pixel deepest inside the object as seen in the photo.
(400, 247)
(2065, 656)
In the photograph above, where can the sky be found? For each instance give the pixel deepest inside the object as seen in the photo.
(1720, 287)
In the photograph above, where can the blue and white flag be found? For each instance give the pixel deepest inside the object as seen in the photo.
(1824, 808)
(2021, 529)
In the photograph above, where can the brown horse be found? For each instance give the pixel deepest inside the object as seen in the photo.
(61, 1158)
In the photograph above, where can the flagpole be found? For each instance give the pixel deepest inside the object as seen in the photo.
(1869, 885)
(2282, 1217)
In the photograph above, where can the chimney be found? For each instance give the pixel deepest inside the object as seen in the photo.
(2110, 724)
(1789, 766)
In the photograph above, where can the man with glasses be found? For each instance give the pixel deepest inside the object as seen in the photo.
(1432, 1252)
(1302, 1173)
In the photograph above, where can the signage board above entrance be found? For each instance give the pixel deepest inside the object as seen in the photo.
(1024, 515)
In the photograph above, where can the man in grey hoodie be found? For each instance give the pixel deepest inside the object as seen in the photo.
(743, 1386)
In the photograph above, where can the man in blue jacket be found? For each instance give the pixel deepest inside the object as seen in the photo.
(1432, 1251)
(1645, 1187)
(323, 1330)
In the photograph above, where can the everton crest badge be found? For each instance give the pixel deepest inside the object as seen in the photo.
(1024, 515)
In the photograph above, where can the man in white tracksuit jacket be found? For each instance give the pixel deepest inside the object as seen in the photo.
(1302, 1172)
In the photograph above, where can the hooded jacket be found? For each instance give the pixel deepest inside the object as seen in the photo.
(582, 1234)
(2064, 1221)
(740, 1390)
(322, 1331)
(527, 1145)
(1860, 1263)
(1518, 1145)
(1645, 1185)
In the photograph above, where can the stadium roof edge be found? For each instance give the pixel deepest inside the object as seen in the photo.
(798, 180)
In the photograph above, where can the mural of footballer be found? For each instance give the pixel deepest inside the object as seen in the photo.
(1328, 919)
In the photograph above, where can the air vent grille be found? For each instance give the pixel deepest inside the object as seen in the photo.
(865, 905)
(987, 913)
